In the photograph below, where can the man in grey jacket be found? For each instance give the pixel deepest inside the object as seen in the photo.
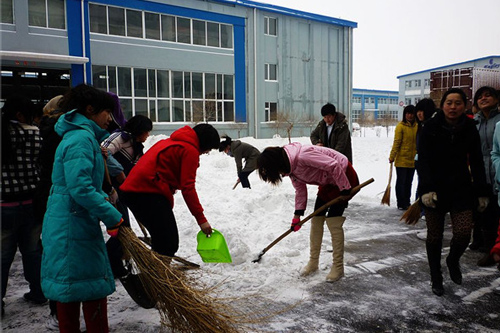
(333, 131)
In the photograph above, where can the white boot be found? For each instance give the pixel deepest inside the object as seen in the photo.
(316, 238)
(335, 226)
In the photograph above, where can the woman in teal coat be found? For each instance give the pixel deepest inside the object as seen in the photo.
(75, 266)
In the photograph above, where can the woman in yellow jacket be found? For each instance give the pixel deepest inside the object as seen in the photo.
(402, 154)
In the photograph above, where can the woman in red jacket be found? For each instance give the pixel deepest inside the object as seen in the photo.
(168, 166)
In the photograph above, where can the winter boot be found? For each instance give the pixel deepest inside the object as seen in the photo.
(453, 261)
(337, 233)
(316, 238)
(434, 259)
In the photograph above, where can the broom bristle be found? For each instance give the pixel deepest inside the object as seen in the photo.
(386, 198)
(412, 214)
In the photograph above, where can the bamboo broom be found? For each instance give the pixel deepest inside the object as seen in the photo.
(412, 214)
(386, 198)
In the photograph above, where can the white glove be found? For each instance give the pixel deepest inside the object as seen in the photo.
(483, 203)
(429, 199)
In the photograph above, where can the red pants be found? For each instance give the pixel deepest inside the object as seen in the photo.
(330, 191)
(95, 314)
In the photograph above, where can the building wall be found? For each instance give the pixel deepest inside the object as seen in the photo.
(312, 54)
(374, 106)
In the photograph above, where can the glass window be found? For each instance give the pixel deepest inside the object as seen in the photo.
(199, 34)
(97, 15)
(210, 110)
(152, 22)
(197, 85)
(163, 84)
(99, 77)
(183, 30)
(141, 107)
(56, 14)
(197, 111)
(152, 110)
(152, 83)
(168, 28)
(226, 36)
(134, 23)
(270, 26)
(126, 104)
(219, 86)
(228, 87)
(140, 83)
(270, 110)
(228, 111)
(37, 13)
(178, 110)
(212, 34)
(124, 81)
(116, 21)
(7, 11)
(177, 86)
(210, 86)
(112, 79)
(187, 110)
(163, 110)
(187, 84)
(271, 72)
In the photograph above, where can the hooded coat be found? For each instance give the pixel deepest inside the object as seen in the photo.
(168, 166)
(241, 150)
(315, 165)
(404, 147)
(75, 265)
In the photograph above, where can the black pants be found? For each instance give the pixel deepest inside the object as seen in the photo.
(155, 213)
(243, 176)
(404, 180)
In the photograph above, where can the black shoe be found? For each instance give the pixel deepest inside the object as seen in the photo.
(455, 273)
(486, 261)
(35, 300)
(438, 289)
(474, 246)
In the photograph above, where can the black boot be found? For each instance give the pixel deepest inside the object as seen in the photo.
(453, 261)
(434, 258)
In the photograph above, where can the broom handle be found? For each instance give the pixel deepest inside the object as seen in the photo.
(390, 174)
(354, 191)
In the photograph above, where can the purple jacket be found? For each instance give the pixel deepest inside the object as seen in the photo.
(315, 165)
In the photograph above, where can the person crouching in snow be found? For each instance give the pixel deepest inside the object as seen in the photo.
(335, 176)
(168, 166)
(241, 150)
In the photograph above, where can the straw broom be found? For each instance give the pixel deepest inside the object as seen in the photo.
(184, 306)
(412, 214)
(386, 198)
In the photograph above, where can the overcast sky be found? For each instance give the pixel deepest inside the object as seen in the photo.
(397, 37)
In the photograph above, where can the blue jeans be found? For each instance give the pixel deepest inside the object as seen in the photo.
(19, 229)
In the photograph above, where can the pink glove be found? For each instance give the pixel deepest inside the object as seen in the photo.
(295, 224)
(113, 231)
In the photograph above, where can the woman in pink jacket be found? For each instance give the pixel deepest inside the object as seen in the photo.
(332, 172)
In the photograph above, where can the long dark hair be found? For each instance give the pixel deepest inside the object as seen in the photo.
(272, 162)
(135, 126)
(408, 109)
(14, 105)
(426, 105)
(84, 95)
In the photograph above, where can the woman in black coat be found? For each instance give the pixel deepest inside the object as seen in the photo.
(452, 175)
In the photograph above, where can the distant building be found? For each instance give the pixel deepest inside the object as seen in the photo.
(248, 68)
(374, 106)
(467, 75)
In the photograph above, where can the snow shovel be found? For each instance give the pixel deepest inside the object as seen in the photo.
(354, 191)
(213, 248)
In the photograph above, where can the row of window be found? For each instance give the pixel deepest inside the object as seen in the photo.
(357, 115)
(371, 100)
(408, 100)
(417, 83)
(169, 96)
(41, 13)
(140, 24)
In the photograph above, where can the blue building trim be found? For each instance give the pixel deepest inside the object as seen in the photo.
(451, 65)
(288, 11)
(240, 100)
(73, 10)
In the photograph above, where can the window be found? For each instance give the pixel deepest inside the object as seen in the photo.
(418, 83)
(183, 30)
(382, 101)
(168, 28)
(356, 99)
(394, 101)
(169, 96)
(408, 83)
(355, 115)
(226, 36)
(46, 13)
(7, 12)
(271, 111)
(271, 72)
(116, 21)
(134, 23)
(97, 15)
(417, 99)
(369, 100)
(427, 83)
(152, 25)
(270, 26)
(407, 101)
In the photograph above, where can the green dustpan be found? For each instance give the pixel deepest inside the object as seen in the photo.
(213, 248)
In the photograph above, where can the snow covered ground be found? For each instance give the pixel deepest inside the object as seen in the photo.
(386, 287)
